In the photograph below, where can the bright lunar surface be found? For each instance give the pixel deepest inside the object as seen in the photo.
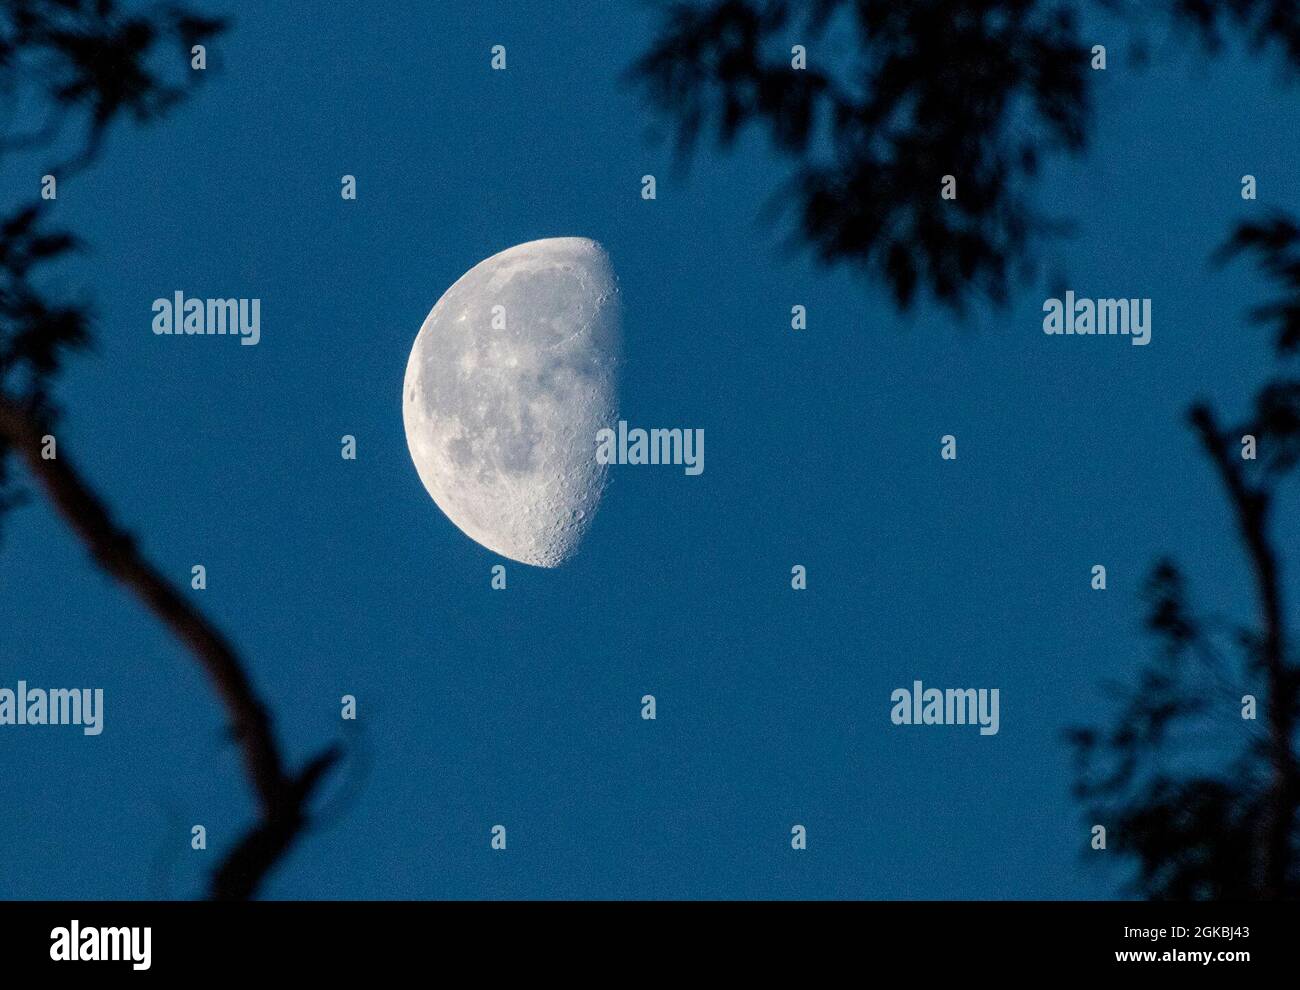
(511, 376)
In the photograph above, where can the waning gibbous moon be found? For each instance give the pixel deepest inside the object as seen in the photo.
(511, 376)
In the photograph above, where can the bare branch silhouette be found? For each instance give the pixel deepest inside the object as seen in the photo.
(91, 59)
(282, 797)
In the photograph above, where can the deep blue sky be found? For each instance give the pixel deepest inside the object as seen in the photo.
(522, 707)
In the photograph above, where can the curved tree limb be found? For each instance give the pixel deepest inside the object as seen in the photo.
(1251, 504)
(283, 797)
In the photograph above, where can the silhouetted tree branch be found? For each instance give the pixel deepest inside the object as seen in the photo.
(976, 90)
(1231, 834)
(1263, 23)
(982, 90)
(94, 60)
(90, 59)
(985, 91)
(1252, 505)
(282, 797)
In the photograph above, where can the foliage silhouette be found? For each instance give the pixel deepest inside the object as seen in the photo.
(983, 90)
(1228, 832)
(92, 63)
(986, 91)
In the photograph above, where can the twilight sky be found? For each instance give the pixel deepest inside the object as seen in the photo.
(522, 707)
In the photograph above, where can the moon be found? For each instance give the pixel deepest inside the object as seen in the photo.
(511, 376)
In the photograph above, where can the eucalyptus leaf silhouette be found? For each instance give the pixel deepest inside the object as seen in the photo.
(984, 91)
(979, 91)
(1262, 23)
(1275, 243)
